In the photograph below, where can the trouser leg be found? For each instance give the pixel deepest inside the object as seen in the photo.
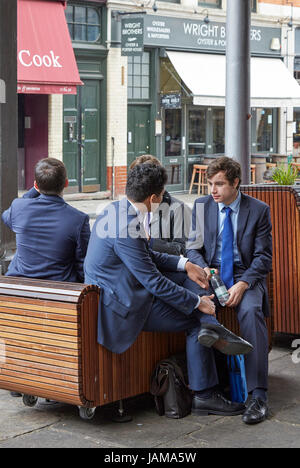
(201, 365)
(253, 329)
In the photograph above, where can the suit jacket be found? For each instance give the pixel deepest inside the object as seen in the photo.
(51, 238)
(254, 239)
(170, 226)
(130, 275)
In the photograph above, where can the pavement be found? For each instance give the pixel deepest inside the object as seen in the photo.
(55, 425)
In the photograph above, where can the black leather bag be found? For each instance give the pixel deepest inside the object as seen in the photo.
(169, 387)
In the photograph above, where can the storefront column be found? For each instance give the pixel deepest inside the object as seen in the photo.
(116, 121)
(55, 126)
(237, 112)
(8, 122)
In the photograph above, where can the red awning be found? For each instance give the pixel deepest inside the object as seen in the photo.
(46, 61)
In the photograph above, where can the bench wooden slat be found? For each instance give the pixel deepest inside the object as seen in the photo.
(42, 320)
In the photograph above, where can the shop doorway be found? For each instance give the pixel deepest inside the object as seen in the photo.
(174, 148)
(138, 132)
(32, 135)
(81, 137)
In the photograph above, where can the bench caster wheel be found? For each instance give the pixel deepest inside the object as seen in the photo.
(86, 413)
(30, 400)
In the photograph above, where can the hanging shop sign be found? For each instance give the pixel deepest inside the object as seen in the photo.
(132, 36)
(170, 101)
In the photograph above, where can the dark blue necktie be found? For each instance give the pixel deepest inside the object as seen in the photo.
(227, 250)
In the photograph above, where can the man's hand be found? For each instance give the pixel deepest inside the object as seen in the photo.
(236, 293)
(207, 306)
(208, 273)
(197, 274)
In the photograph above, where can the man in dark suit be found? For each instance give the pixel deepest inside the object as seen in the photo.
(237, 240)
(51, 236)
(146, 290)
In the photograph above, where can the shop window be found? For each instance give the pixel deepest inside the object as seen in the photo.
(211, 3)
(264, 121)
(173, 132)
(139, 77)
(218, 116)
(197, 131)
(254, 6)
(172, 1)
(84, 23)
(296, 139)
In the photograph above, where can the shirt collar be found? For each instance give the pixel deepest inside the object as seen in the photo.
(234, 205)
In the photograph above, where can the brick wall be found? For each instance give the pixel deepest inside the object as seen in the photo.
(120, 179)
(117, 119)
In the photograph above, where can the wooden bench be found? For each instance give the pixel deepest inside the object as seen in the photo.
(49, 349)
(284, 202)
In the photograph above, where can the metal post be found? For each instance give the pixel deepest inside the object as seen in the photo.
(8, 121)
(237, 112)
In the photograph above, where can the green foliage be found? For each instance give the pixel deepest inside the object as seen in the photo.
(285, 175)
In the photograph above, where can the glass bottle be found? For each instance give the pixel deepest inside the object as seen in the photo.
(219, 288)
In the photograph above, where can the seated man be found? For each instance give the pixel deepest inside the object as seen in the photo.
(237, 240)
(51, 236)
(170, 223)
(146, 290)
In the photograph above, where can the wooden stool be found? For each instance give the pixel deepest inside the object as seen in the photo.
(252, 167)
(202, 182)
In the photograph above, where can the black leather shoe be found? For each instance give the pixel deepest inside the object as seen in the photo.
(222, 339)
(216, 404)
(257, 411)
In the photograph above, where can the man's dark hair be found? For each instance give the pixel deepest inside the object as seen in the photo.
(50, 175)
(144, 180)
(231, 168)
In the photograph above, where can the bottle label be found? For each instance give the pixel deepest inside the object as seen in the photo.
(221, 292)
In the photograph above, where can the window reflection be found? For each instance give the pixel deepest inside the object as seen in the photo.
(218, 130)
(197, 131)
(173, 132)
(174, 172)
(264, 129)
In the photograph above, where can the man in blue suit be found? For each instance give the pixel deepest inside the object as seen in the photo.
(51, 236)
(237, 240)
(145, 290)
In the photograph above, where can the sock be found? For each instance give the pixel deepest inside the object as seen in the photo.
(260, 393)
(205, 394)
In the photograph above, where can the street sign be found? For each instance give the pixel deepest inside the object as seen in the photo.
(132, 36)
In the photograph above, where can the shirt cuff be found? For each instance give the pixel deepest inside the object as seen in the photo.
(181, 264)
(198, 303)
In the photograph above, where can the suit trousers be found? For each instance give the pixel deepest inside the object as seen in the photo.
(202, 371)
(253, 329)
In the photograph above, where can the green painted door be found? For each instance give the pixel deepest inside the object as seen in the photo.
(82, 137)
(138, 133)
(71, 143)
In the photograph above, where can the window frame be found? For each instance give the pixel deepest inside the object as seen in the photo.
(140, 77)
(86, 25)
(204, 4)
